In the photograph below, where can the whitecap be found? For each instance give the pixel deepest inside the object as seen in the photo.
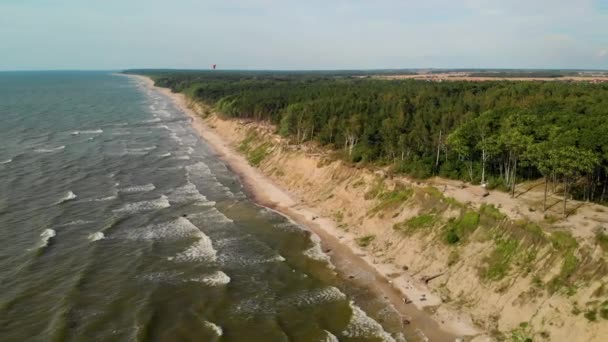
(315, 252)
(93, 131)
(50, 150)
(314, 297)
(159, 203)
(362, 326)
(138, 188)
(179, 228)
(214, 279)
(214, 327)
(68, 197)
(182, 157)
(330, 337)
(202, 250)
(152, 120)
(76, 223)
(186, 193)
(46, 235)
(103, 199)
(6, 161)
(96, 236)
(165, 155)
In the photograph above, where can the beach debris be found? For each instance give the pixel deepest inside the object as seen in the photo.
(427, 279)
(405, 268)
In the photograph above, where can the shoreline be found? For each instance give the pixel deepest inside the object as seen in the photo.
(344, 254)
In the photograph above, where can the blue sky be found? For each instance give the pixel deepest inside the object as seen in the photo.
(303, 34)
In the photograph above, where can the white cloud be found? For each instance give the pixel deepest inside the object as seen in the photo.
(603, 53)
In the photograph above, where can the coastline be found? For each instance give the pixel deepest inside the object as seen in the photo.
(443, 325)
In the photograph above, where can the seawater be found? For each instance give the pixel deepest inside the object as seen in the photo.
(118, 223)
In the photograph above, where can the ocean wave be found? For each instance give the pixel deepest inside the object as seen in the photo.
(186, 193)
(92, 131)
(361, 325)
(182, 157)
(165, 155)
(68, 197)
(237, 260)
(215, 328)
(46, 235)
(202, 250)
(214, 279)
(212, 216)
(179, 228)
(6, 161)
(76, 223)
(159, 203)
(314, 297)
(138, 188)
(104, 199)
(140, 151)
(96, 236)
(151, 121)
(331, 337)
(50, 150)
(315, 252)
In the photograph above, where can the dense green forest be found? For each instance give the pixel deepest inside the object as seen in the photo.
(497, 133)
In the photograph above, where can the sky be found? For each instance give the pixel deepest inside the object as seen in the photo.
(303, 34)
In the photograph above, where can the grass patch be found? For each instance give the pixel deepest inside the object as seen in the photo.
(602, 240)
(489, 210)
(453, 257)
(591, 315)
(433, 191)
(375, 191)
(391, 199)
(563, 279)
(365, 241)
(458, 230)
(258, 154)
(563, 241)
(498, 263)
(416, 223)
(358, 183)
(245, 144)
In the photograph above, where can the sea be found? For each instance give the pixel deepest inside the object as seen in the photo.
(118, 223)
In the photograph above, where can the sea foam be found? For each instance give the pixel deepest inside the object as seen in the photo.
(68, 197)
(138, 188)
(214, 279)
(179, 228)
(159, 203)
(6, 161)
(96, 236)
(46, 235)
(202, 250)
(93, 131)
(50, 150)
(361, 326)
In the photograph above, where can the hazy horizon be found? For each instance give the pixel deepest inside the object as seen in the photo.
(294, 36)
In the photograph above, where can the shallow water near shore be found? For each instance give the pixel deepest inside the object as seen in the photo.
(119, 223)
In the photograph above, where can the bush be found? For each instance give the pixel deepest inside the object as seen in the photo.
(365, 241)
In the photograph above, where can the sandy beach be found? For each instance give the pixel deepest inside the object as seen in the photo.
(409, 296)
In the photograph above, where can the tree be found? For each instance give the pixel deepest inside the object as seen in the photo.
(570, 163)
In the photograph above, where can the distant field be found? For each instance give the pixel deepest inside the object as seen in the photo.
(595, 77)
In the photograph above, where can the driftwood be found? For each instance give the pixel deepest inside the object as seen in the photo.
(427, 279)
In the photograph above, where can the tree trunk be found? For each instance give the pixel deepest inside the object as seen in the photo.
(438, 150)
(565, 196)
(483, 166)
(513, 178)
(545, 199)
